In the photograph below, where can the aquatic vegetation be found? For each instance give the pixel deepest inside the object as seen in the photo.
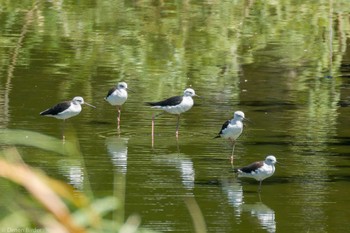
(48, 204)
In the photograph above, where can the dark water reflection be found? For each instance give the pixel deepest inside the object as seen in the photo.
(237, 56)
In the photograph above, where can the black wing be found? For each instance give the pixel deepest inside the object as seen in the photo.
(251, 167)
(56, 109)
(172, 101)
(111, 91)
(224, 126)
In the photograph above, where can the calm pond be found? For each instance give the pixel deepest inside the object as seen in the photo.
(285, 64)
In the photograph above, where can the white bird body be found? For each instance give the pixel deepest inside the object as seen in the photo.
(73, 110)
(176, 104)
(259, 170)
(233, 128)
(185, 105)
(117, 95)
(260, 173)
(66, 109)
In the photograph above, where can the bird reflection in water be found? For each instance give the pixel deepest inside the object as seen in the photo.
(73, 170)
(118, 151)
(234, 191)
(264, 214)
(184, 166)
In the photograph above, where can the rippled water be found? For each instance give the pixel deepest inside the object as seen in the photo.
(291, 104)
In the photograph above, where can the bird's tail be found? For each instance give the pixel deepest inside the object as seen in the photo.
(217, 136)
(46, 112)
(150, 103)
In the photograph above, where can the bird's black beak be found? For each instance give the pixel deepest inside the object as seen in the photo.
(130, 90)
(246, 119)
(89, 105)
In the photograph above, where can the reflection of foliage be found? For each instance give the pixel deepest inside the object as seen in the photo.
(176, 40)
(172, 44)
(50, 204)
(175, 44)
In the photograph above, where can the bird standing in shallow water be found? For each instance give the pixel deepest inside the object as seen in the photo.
(175, 105)
(232, 129)
(117, 96)
(66, 109)
(258, 170)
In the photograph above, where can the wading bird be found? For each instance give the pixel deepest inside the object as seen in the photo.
(259, 170)
(65, 110)
(175, 105)
(117, 96)
(232, 129)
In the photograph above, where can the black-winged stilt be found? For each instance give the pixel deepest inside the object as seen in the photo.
(259, 170)
(232, 129)
(117, 96)
(175, 105)
(66, 109)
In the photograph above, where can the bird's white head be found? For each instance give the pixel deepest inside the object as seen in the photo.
(239, 115)
(78, 100)
(122, 85)
(189, 92)
(270, 160)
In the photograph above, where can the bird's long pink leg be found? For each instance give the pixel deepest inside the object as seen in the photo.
(119, 113)
(153, 118)
(177, 126)
(63, 126)
(152, 130)
(260, 186)
(233, 150)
